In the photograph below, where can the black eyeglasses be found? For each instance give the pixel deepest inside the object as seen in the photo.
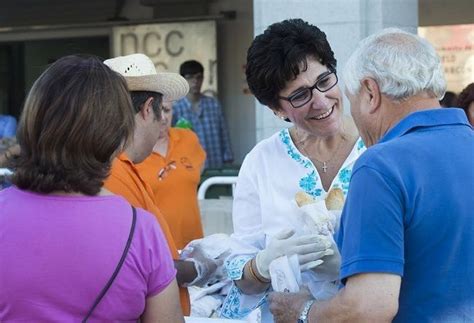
(324, 83)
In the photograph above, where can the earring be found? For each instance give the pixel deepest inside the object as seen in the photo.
(279, 116)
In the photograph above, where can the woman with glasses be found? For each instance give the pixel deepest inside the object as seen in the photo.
(173, 171)
(291, 69)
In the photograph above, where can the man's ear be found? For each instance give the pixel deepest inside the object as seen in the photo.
(146, 109)
(372, 92)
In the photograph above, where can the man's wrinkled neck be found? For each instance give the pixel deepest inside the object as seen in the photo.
(393, 111)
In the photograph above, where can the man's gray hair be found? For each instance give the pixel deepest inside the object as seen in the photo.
(401, 63)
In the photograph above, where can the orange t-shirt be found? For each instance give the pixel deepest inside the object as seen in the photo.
(174, 180)
(125, 181)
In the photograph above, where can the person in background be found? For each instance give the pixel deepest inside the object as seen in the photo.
(205, 115)
(291, 68)
(173, 171)
(148, 89)
(9, 150)
(465, 101)
(449, 100)
(407, 232)
(7, 126)
(62, 235)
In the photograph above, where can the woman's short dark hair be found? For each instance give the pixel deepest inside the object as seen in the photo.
(280, 54)
(140, 97)
(449, 99)
(190, 68)
(77, 115)
(466, 97)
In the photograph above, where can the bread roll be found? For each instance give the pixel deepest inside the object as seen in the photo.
(335, 199)
(303, 198)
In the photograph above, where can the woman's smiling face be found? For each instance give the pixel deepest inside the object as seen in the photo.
(322, 115)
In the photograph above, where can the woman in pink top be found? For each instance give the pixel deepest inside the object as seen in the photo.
(62, 236)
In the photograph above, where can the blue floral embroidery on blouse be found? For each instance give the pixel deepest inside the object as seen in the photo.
(360, 145)
(292, 152)
(307, 183)
(345, 178)
(235, 266)
(231, 307)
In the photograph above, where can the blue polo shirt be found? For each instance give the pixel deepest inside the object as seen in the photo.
(410, 212)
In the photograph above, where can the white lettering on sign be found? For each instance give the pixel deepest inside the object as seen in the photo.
(170, 44)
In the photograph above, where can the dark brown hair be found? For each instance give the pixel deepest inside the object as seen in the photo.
(190, 68)
(77, 115)
(139, 98)
(466, 97)
(280, 54)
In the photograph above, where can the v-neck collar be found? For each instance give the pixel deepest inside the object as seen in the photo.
(311, 182)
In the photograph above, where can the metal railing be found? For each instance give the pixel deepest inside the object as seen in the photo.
(216, 180)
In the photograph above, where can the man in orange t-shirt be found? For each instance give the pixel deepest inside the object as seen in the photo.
(147, 92)
(173, 172)
(125, 181)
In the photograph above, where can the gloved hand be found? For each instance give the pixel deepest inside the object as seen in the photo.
(309, 248)
(329, 269)
(209, 270)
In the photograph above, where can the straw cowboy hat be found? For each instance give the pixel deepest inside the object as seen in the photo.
(140, 74)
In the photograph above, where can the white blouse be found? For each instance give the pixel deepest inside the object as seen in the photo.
(270, 176)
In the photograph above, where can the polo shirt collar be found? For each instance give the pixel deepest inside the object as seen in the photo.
(426, 118)
(173, 138)
(123, 157)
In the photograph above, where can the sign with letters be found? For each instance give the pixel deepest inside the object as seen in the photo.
(170, 44)
(455, 46)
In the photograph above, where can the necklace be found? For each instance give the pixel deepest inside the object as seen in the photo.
(324, 163)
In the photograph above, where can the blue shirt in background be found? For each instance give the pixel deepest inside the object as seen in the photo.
(7, 126)
(209, 124)
(410, 212)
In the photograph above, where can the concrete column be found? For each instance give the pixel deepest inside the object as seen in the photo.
(345, 23)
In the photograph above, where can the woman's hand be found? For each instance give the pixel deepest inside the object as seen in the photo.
(309, 248)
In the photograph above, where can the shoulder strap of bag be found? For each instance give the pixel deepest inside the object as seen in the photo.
(117, 269)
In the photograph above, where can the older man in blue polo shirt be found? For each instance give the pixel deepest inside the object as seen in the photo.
(407, 231)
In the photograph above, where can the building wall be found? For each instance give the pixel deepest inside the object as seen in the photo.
(233, 38)
(39, 53)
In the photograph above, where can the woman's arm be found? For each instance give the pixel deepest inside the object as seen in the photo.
(252, 282)
(164, 307)
(248, 229)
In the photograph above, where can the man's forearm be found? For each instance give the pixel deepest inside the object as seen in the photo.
(186, 272)
(335, 310)
(345, 308)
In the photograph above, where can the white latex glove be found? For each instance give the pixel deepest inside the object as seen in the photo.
(329, 269)
(309, 248)
(209, 270)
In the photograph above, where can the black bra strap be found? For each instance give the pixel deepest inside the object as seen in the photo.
(117, 269)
